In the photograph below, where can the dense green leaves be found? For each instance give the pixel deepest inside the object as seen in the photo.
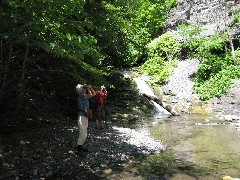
(93, 37)
(80, 29)
(215, 72)
(218, 83)
(57, 27)
(162, 53)
(237, 53)
(213, 77)
(47, 45)
(125, 27)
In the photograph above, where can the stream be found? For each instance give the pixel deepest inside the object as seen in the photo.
(204, 148)
(197, 149)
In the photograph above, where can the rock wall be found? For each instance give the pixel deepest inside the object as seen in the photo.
(212, 15)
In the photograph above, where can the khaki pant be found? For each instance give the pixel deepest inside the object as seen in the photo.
(82, 127)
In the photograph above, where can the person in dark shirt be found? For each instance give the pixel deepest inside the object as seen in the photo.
(100, 112)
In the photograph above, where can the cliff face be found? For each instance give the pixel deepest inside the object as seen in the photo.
(212, 15)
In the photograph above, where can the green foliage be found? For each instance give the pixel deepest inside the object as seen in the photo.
(214, 77)
(159, 165)
(199, 46)
(158, 69)
(90, 32)
(189, 37)
(95, 36)
(237, 54)
(215, 86)
(59, 28)
(236, 20)
(125, 27)
(216, 71)
(211, 45)
(162, 53)
(165, 46)
(189, 31)
(211, 65)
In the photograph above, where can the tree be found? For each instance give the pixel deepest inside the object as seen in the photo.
(59, 28)
(95, 35)
(229, 26)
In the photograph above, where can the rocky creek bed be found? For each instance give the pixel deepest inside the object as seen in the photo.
(50, 152)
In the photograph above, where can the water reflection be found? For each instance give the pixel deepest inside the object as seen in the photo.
(200, 140)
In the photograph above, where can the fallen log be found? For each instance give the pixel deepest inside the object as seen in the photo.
(168, 107)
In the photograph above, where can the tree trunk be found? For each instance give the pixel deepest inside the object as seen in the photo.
(4, 73)
(168, 107)
(22, 83)
(1, 61)
(229, 34)
(232, 51)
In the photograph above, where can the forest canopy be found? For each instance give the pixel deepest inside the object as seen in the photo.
(48, 46)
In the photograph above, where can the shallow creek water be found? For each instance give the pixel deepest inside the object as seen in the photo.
(204, 148)
(210, 147)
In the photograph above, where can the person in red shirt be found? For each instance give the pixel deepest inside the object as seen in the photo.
(100, 113)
